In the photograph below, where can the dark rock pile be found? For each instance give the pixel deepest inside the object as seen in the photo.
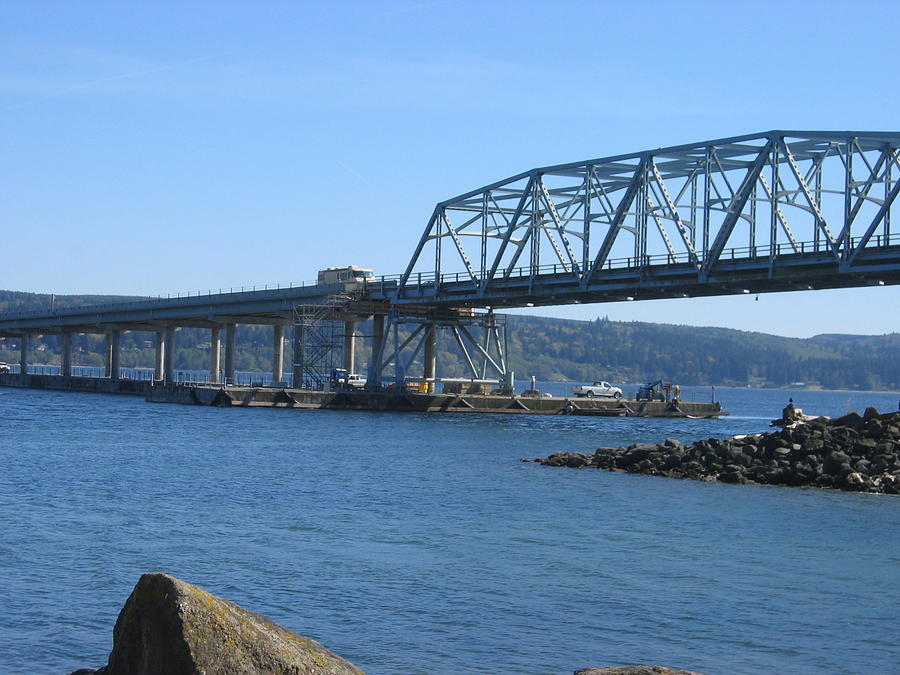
(856, 453)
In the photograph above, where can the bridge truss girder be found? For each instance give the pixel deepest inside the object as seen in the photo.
(410, 337)
(771, 200)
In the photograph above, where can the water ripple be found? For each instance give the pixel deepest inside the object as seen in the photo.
(420, 544)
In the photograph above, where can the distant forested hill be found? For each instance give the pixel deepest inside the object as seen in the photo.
(634, 352)
(557, 349)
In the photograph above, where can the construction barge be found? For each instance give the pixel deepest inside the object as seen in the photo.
(383, 400)
(265, 397)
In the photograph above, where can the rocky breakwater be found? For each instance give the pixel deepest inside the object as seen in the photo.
(853, 452)
(169, 627)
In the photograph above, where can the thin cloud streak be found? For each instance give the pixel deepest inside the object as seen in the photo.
(83, 86)
(138, 73)
(356, 173)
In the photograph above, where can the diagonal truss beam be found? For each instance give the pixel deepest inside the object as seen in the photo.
(653, 211)
(510, 229)
(560, 229)
(879, 216)
(773, 200)
(863, 194)
(615, 226)
(673, 213)
(735, 209)
(813, 204)
(459, 247)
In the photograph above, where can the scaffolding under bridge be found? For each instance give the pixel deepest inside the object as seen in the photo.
(320, 340)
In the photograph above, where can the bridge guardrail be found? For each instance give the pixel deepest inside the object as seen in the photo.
(389, 282)
(158, 300)
(766, 250)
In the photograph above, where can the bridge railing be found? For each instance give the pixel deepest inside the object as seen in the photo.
(152, 301)
(388, 283)
(760, 251)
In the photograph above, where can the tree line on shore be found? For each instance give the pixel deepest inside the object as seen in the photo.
(547, 348)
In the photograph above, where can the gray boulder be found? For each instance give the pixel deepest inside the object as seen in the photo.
(169, 627)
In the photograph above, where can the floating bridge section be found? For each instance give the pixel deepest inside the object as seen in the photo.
(777, 211)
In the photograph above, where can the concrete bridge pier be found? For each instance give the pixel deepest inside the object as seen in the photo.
(230, 329)
(278, 354)
(113, 354)
(23, 353)
(66, 368)
(215, 354)
(169, 354)
(158, 373)
(107, 355)
(349, 346)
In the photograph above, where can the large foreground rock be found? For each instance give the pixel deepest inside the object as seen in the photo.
(169, 627)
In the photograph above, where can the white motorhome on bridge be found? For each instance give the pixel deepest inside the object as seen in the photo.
(344, 275)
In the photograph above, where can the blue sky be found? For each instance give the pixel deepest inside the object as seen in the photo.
(162, 147)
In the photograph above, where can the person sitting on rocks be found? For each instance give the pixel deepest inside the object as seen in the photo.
(791, 413)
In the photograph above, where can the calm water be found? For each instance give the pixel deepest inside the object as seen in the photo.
(420, 544)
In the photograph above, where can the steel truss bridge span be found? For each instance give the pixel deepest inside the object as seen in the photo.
(776, 211)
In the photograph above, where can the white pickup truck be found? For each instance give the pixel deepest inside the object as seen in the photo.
(355, 381)
(597, 389)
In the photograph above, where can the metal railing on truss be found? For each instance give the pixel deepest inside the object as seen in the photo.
(637, 262)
